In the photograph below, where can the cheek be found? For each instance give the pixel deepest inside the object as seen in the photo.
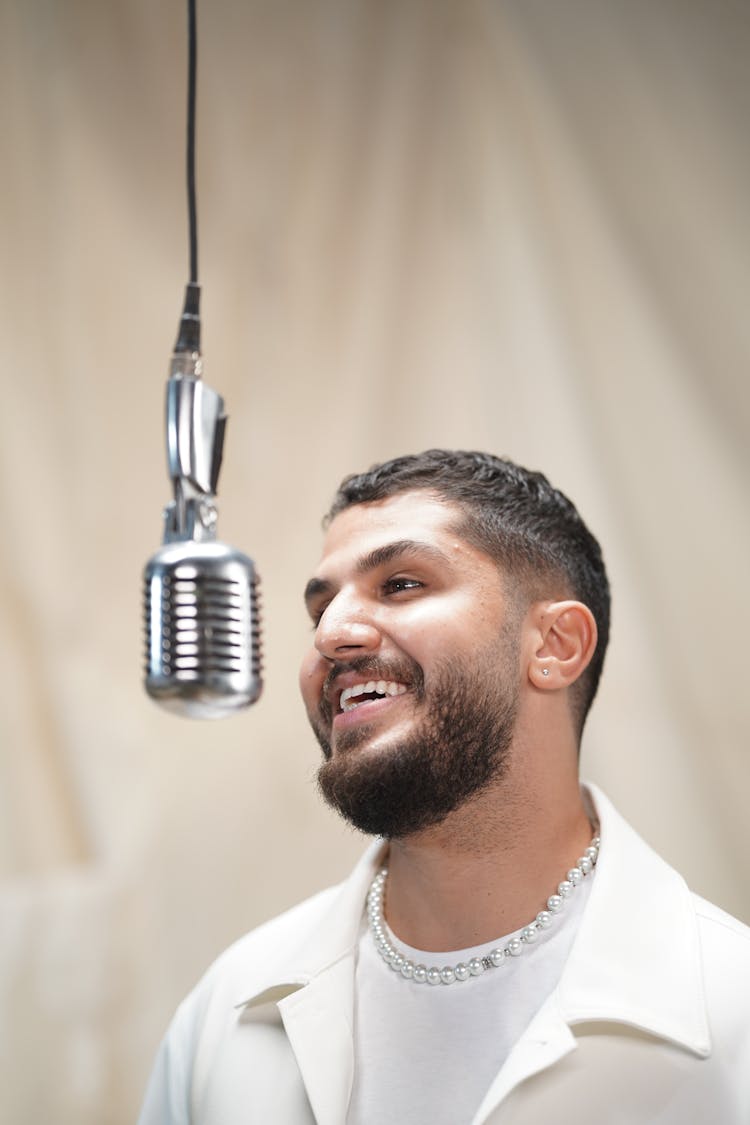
(425, 631)
(311, 676)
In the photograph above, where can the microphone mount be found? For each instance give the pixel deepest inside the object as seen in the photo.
(196, 425)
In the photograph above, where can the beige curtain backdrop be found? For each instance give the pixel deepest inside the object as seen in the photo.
(520, 226)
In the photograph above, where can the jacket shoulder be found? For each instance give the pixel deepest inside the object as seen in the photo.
(275, 939)
(722, 931)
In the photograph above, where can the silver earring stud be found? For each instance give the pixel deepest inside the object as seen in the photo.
(545, 671)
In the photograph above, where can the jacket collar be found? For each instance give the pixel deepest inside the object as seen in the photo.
(333, 939)
(635, 960)
(636, 957)
(312, 984)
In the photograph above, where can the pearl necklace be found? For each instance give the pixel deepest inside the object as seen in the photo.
(450, 974)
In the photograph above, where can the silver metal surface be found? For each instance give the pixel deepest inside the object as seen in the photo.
(195, 431)
(202, 627)
(202, 623)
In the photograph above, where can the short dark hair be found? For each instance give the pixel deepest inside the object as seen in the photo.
(531, 530)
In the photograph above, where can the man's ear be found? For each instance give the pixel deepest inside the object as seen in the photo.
(564, 643)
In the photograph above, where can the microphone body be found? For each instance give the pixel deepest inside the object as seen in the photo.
(201, 606)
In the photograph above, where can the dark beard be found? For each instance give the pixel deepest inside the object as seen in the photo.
(458, 749)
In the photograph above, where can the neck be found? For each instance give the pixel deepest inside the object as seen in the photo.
(488, 868)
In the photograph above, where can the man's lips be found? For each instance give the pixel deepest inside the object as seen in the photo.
(361, 688)
(351, 682)
(368, 706)
(365, 691)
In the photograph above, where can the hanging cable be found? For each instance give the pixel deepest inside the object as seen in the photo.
(192, 209)
(189, 332)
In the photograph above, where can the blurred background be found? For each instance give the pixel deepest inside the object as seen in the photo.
(517, 225)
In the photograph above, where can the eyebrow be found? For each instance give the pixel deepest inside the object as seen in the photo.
(378, 557)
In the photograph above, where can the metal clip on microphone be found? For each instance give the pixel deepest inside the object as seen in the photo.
(200, 596)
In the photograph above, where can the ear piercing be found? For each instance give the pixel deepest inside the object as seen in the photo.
(545, 671)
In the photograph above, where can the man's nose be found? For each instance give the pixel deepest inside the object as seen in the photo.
(347, 628)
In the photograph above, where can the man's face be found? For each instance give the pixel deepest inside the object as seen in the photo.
(412, 684)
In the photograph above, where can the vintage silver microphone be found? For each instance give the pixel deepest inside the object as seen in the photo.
(200, 595)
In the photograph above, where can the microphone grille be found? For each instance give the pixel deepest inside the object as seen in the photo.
(202, 626)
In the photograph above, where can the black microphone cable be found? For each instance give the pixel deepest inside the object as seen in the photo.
(189, 333)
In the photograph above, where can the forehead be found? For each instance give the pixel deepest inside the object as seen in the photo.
(417, 516)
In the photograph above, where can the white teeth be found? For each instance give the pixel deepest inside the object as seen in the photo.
(380, 687)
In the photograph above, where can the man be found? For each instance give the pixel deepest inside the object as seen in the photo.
(510, 950)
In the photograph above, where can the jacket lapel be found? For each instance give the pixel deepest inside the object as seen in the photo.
(635, 961)
(318, 1020)
(313, 989)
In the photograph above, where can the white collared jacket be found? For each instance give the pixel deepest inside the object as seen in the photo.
(649, 1023)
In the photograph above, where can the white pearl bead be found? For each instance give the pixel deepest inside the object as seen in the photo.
(565, 889)
(462, 971)
(515, 947)
(544, 919)
(476, 968)
(575, 876)
(592, 854)
(529, 934)
(497, 957)
(433, 976)
(407, 969)
(398, 961)
(447, 975)
(420, 974)
(585, 864)
(554, 903)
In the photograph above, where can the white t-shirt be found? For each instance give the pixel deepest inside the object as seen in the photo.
(426, 1054)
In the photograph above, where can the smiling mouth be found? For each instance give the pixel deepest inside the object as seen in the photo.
(354, 696)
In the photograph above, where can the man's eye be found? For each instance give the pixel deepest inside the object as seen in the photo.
(396, 585)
